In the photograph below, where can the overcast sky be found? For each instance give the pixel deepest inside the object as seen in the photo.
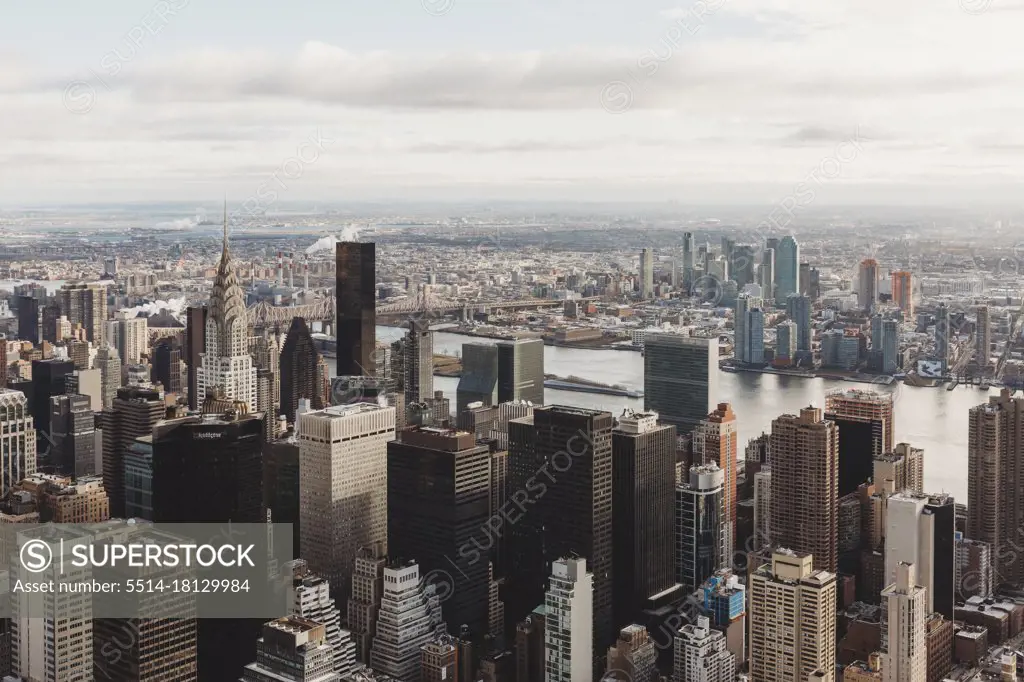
(719, 100)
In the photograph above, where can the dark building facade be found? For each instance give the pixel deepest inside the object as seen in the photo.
(643, 499)
(700, 517)
(133, 413)
(942, 509)
(281, 484)
(195, 345)
(439, 495)
(167, 365)
(48, 380)
(356, 315)
(419, 363)
(299, 361)
(73, 433)
(479, 380)
(570, 452)
(28, 319)
(521, 370)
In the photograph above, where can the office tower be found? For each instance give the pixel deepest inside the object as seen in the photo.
(787, 268)
(479, 380)
(439, 660)
(144, 649)
(798, 310)
(265, 350)
(568, 622)
(49, 324)
(521, 370)
(342, 485)
(292, 649)
(688, 260)
(786, 340)
(167, 365)
(132, 413)
(700, 653)
(364, 601)
(48, 380)
(646, 274)
(439, 522)
(643, 476)
(195, 344)
(890, 346)
(716, 438)
(995, 462)
(130, 336)
(724, 604)
(530, 647)
(85, 304)
(299, 359)
(920, 530)
(904, 467)
(409, 617)
(939, 636)
(506, 413)
(792, 620)
(138, 479)
(805, 279)
(109, 364)
(87, 382)
(17, 439)
(755, 336)
(355, 295)
(226, 362)
(217, 458)
(904, 654)
(865, 422)
(973, 568)
(576, 519)
(700, 513)
(903, 291)
(766, 273)
(281, 483)
(72, 435)
(680, 378)
(741, 265)
(634, 656)
(28, 320)
(312, 600)
(804, 503)
(419, 362)
(867, 289)
(762, 509)
(943, 333)
(741, 333)
(982, 338)
(478, 419)
(78, 353)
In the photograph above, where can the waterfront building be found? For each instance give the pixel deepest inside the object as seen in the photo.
(680, 378)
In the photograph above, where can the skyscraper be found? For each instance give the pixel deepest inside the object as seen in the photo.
(342, 486)
(409, 617)
(700, 512)
(804, 503)
(28, 319)
(787, 268)
(226, 362)
(741, 265)
(943, 334)
(904, 467)
(294, 649)
(701, 654)
(904, 654)
(867, 289)
(643, 476)
(792, 620)
(920, 530)
(479, 380)
(890, 346)
(85, 304)
(716, 439)
(646, 274)
(364, 602)
(48, 380)
(786, 339)
(866, 424)
(195, 344)
(167, 365)
(680, 378)
(438, 499)
(688, 261)
(568, 622)
(419, 362)
(73, 435)
(767, 273)
(17, 439)
(109, 364)
(982, 338)
(130, 336)
(903, 291)
(521, 370)
(798, 310)
(299, 359)
(312, 600)
(356, 297)
(132, 413)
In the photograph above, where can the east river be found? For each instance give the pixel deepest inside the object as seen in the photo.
(931, 418)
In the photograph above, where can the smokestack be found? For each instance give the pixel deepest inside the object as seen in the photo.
(280, 270)
(291, 270)
(305, 275)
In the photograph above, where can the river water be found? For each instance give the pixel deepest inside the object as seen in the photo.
(931, 418)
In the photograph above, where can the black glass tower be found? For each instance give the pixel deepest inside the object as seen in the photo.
(356, 314)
